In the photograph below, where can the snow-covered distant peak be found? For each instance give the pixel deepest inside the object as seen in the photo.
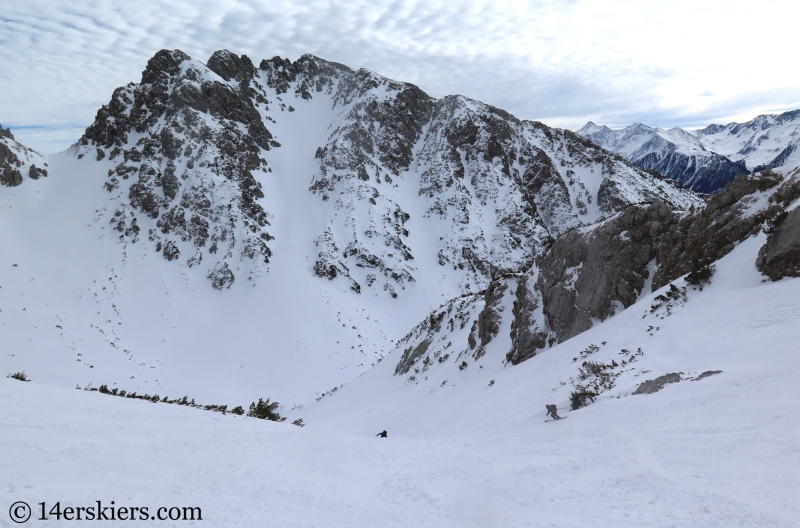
(770, 140)
(675, 153)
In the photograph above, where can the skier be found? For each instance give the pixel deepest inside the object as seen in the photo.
(552, 410)
(383, 434)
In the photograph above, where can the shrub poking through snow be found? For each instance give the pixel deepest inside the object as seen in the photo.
(671, 298)
(700, 275)
(265, 410)
(596, 378)
(18, 376)
(581, 398)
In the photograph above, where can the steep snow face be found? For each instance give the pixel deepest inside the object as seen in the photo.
(675, 153)
(18, 162)
(768, 141)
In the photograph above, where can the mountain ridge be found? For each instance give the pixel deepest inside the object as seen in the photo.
(333, 208)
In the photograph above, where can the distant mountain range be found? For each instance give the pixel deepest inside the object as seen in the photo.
(706, 160)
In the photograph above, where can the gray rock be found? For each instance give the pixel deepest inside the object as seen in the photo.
(588, 275)
(651, 386)
(6, 132)
(488, 322)
(780, 256)
(526, 335)
(707, 374)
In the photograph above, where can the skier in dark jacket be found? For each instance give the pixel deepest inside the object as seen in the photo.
(383, 434)
(552, 410)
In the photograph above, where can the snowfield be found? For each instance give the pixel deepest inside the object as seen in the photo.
(719, 452)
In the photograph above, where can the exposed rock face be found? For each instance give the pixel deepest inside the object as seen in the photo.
(503, 187)
(527, 326)
(189, 176)
(589, 275)
(651, 386)
(488, 322)
(780, 256)
(17, 161)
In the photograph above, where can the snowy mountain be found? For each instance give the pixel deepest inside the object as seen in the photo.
(675, 153)
(300, 218)
(295, 218)
(375, 258)
(768, 141)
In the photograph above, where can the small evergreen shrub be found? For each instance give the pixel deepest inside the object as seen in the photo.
(265, 410)
(237, 410)
(18, 376)
(298, 422)
(700, 275)
(581, 398)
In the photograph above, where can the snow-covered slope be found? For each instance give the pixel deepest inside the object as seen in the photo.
(768, 141)
(675, 153)
(718, 451)
(224, 231)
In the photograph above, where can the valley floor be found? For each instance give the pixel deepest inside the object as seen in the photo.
(725, 465)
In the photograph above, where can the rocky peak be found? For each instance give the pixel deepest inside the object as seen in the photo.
(185, 148)
(6, 132)
(230, 66)
(18, 161)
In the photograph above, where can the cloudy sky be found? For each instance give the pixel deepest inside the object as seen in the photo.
(669, 63)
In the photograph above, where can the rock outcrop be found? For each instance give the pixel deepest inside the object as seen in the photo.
(18, 161)
(187, 147)
(655, 385)
(589, 275)
(780, 256)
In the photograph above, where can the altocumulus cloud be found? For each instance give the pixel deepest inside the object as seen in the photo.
(561, 62)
